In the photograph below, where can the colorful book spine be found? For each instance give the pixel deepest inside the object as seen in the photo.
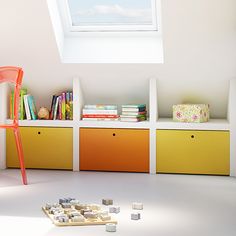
(99, 116)
(27, 110)
(101, 107)
(71, 106)
(56, 108)
(94, 111)
(133, 109)
(32, 107)
(133, 106)
(60, 107)
(63, 106)
(11, 106)
(100, 119)
(23, 92)
(67, 105)
(54, 97)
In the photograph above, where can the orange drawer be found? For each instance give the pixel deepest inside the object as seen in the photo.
(114, 149)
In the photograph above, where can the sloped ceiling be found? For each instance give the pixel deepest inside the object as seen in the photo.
(199, 54)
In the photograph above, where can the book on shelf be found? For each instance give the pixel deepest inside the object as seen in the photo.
(133, 109)
(99, 116)
(32, 107)
(100, 107)
(54, 97)
(133, 116)
(99, 111)
(62, 106)
(132, 119)
(100, 119)
(134, 113)
(21, 109)
(133, 106)
(23, 92)
(55, 108)
(27, 109)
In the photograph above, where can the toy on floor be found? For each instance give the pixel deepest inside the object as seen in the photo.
(69, 212)
(110, 227)
(107, 202)
(137, 206)
(135, 216)
(114, 209)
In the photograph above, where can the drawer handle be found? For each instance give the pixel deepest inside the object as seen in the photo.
(39, 132)
(192, 136)
(114, 134)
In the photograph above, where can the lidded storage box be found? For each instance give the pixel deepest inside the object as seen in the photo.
(195, 113)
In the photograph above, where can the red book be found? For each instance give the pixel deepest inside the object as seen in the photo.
(100, 116)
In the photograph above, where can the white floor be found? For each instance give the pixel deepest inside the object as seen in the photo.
(174, 205)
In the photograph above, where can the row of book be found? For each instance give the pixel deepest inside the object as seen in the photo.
(100, 112)
(130, 113)
(62, 106)
(27, 108)
(133, 113)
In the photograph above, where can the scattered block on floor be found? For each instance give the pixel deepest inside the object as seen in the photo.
(91, 215)
(110, 227)
(114, 209)
(105, 217)
(78, 218)
(137, 206)
(107, 202)
(71, 213)
(66, 205)
(135, 216)
(95, 207)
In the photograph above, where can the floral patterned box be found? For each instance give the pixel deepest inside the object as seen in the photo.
(195, 113)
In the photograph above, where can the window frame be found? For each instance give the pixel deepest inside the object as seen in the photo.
(65, 11)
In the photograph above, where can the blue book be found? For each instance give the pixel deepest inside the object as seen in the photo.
(32, 107)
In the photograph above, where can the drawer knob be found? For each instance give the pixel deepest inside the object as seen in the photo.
(192, 136)
(39, 132)
(114, 134)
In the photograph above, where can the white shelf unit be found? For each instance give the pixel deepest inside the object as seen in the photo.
(155, 122)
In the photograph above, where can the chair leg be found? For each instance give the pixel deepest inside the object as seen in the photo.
(20, 154)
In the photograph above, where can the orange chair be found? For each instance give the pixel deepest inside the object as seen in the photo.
(14, 76)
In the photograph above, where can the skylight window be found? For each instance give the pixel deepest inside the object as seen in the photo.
(111, 15)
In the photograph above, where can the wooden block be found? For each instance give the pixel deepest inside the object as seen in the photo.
(105, 217)
(81, 206)
(114, 209)
(107, 202)
(137, 206)
(78, 219)
(110, 227)
(90, 214)
(135, 216)
(66, 205)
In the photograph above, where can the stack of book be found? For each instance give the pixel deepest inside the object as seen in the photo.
(62, 106)
(27, 108)
(100, 112)
(133, 113)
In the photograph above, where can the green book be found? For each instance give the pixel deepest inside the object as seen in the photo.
(23, 92)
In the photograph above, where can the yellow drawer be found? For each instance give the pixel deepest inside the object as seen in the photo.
(193, 152)
(45, 148)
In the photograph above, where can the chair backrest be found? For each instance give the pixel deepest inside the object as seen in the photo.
(14, 75)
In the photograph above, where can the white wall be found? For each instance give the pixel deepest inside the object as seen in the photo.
(199, 38)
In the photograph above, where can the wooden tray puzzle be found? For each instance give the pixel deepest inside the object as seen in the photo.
(88, 221)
